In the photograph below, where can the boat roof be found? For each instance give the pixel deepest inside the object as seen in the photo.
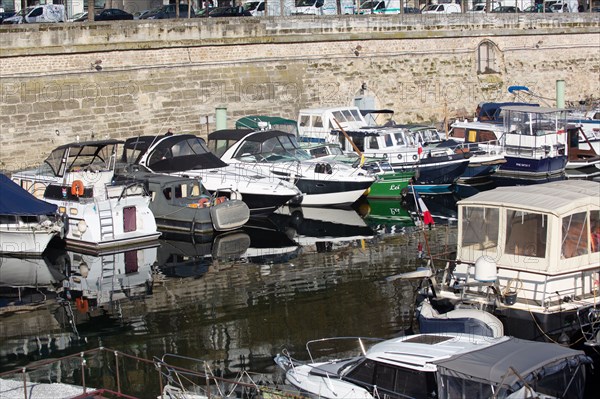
(532, 108)
(421, 350)
(492, 363)
(18, 201)
(253, 120)
(247, 134)
(556, 198)
(327, 109)
(95, 143)
(476, 357)
(142, 143)
(229, 134)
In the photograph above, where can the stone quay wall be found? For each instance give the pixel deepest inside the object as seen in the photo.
(64, 82)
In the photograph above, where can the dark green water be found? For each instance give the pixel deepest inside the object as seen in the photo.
(235, 302)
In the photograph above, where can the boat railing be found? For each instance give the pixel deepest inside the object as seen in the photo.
(350, 346)
(129, 376)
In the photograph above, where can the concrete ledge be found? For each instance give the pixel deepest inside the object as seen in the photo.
(48, 39)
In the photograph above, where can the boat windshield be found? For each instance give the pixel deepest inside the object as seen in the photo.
(279, 148)
(82, 158)
(392, 381)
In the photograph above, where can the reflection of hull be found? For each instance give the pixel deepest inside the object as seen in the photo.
(311, 225)
(442, 207)
(386, 213)
(109, 277)
(268, 243)
(189, 258)
(28, 272)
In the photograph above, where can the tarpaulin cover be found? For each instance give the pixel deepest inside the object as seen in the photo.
(16, 201)
(492, 364)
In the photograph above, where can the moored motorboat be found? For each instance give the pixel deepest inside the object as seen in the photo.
(27, 224)
(533, 140)
(183, 205)
(187, 155)
(277, 153)
(435, 169)
(101, 214)
(531, 256)
(443, 365)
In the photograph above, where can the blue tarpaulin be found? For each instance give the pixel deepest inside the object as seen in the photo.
(16, 201)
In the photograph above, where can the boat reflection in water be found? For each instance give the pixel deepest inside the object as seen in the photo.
(27, 281)
(323, 228)
(385, 216)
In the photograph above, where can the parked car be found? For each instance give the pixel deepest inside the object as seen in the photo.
(448, 8)
(168, 11)
(229, 12)
(140, 14)
(506, 9)
(6, 14)
(77, 17)
(40, 13)
(110, 14)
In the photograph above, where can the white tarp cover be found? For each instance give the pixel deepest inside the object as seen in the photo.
(556, 198)
(531, 361)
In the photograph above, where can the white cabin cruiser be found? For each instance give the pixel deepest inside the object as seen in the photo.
(277, 154)
(78, 178)
(187, 155)
(531, 256)
(435, 169)
(445, 366)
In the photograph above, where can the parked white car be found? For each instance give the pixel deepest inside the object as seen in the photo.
(449, 8)
(40, 13)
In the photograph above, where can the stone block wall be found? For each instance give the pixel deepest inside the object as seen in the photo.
(60, 83)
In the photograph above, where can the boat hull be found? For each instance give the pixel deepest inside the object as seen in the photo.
(390, 185)
(330, 193)
(527, 168)
(24, 242)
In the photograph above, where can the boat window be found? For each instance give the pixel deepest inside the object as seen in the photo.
(393, 382)
(526, 234)
(218, 147)
(317, 121)
(399, 139)
(362, 374)
(595, 231)
(304, 120)
(480, 227)
(339, 116)
(356, 114)
(574, 235)
(54, 160)
(248, 148)
(373, 143)
(389, 140)
(348, 115)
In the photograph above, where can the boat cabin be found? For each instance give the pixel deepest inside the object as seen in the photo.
(535, 237)
(315, 124)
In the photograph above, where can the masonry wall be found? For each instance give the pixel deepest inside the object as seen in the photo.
(91, 81)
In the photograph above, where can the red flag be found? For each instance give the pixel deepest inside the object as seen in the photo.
(425, 214)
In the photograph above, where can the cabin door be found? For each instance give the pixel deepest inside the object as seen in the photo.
(129, 219)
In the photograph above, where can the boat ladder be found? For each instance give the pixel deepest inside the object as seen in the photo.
(109, 265)
(107, 224)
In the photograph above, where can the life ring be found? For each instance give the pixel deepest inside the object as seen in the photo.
(77, 188)
(82, 305)
(203, 202)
